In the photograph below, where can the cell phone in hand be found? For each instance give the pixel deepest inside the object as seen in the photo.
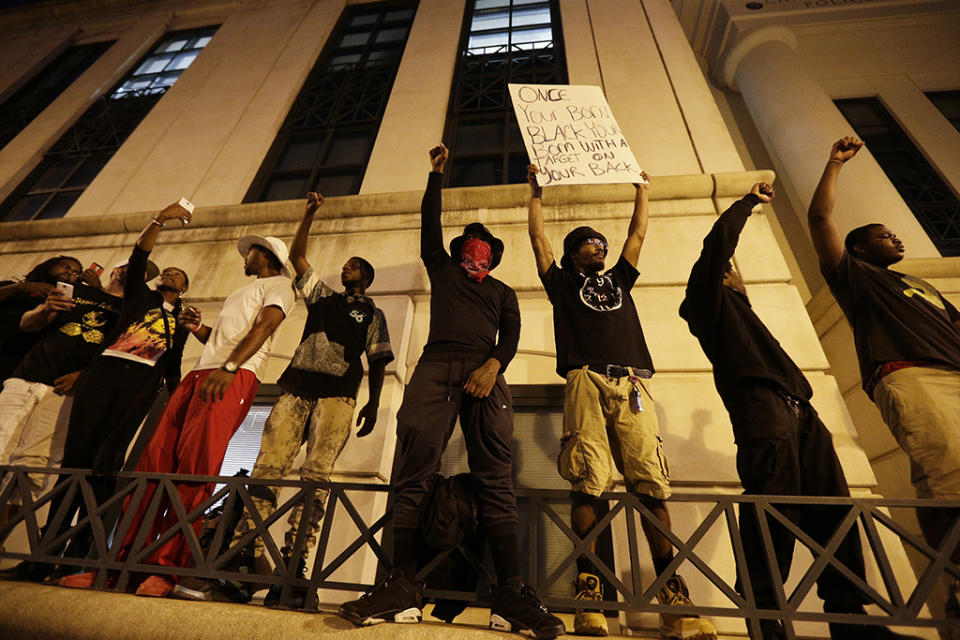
(189, 206)
(66, 289)
(96, 268)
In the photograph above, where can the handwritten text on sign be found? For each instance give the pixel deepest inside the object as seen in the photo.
(571, 135)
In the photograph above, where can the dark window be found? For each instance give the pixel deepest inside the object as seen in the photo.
(326, 140)
(502, 41)
(928, 196)
(948, 102)
(69, 167)
(28, 101)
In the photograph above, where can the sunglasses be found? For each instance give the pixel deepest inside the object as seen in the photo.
(596, 242)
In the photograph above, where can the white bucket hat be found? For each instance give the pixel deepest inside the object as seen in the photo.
(276, 246)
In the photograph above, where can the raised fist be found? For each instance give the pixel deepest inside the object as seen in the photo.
(845, 148)
(438, 157)
(314, 201)
(763, 191)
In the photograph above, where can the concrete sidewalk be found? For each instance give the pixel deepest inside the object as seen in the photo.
(37, 612)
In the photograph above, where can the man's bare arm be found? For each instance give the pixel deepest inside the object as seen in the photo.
(190, 318)
(826, 237)
(298, 249)
(148, 237)
(42, 315)
(637, 230)
(215, 385)
(542, 250)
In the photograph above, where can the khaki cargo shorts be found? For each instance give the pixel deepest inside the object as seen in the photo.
(921, 405)
(602, 431)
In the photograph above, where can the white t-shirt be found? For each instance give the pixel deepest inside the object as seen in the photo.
(236, 318)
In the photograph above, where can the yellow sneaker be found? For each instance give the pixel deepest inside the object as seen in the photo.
(674, 626)
(589, 623)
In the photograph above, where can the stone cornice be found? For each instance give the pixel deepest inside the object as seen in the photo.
(719, 185)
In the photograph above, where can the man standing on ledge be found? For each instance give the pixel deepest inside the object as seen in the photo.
(608, 412)
(907, 337)
(474, 332)
(319, 391)
(210, 403)
(782, 446)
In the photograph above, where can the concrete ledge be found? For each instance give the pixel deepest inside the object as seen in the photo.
(30, 611)
(405, 202)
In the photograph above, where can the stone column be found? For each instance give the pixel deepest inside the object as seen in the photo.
(25, 56)
(415, 114)
(798, 122)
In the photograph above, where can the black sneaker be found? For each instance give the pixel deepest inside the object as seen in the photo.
(396, 599)
(298, 594)
(517, 608)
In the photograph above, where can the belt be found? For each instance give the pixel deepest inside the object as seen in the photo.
(617, 371)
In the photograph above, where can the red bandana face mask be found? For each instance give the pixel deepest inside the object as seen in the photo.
(475, 258)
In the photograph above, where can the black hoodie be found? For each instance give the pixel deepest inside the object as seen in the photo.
(737, 343)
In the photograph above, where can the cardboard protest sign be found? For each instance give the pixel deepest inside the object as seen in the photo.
(571, 135)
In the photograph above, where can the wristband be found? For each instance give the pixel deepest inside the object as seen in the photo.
(157, 222)
(835, 161)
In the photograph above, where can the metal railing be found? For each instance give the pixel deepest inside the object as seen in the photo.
(899, 604)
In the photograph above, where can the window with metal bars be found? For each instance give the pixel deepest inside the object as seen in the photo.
(502, 41)
(948, 102)
(32, 98)
(73, 162)
(326, 140)
(918, 183)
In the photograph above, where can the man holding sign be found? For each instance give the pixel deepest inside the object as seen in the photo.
(571, 135)
(608, 412)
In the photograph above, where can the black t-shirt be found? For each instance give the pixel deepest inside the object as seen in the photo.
(14, 343)
(73, 338)
(466, 316)
(894, 316)
(338, 330)
(594, 318)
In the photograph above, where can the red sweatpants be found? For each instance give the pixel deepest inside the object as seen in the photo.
(191, 438)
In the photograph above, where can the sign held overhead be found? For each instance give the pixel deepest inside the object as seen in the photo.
(571, 135)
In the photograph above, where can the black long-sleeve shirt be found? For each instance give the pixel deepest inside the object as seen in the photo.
(465, 315)
(734, 339)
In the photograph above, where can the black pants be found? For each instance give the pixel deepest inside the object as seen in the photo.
(784, 449)
(432, 402)
(110, 402)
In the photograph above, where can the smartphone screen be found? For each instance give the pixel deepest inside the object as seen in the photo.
(96, 268)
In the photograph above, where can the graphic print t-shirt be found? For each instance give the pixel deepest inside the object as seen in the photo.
(146, 339)
(73, 338)
(594, 318)
(236, 318)
(894, 316)
(339, 328)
